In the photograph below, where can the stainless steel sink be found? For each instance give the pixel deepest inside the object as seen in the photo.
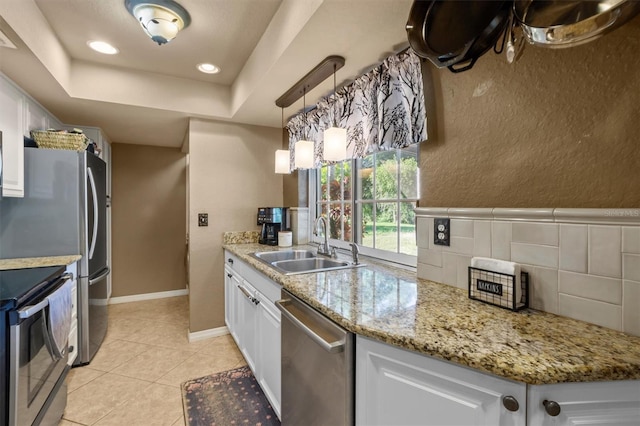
(313, 264)
(290, 262)
(276, 256)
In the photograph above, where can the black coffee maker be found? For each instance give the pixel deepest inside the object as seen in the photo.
(272, 220)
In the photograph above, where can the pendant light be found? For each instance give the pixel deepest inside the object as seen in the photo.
(335, 138)
(304, 148)
(282, 156)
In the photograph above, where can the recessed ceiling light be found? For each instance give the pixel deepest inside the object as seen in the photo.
(102, 47)
(208, 68)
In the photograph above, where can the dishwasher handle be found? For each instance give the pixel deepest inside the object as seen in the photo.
(331, 347)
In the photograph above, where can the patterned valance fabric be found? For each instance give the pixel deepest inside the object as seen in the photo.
(381, 110)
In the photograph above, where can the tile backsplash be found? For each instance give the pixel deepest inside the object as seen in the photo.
(582, 263)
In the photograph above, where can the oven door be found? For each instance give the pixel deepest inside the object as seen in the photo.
(36, 367)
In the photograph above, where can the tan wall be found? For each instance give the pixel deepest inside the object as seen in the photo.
(559, 128)
(230, 176)
(148, 216)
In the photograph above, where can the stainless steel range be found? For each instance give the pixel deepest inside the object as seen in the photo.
(34, 358)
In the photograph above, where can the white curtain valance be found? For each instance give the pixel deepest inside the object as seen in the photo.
(381, 110)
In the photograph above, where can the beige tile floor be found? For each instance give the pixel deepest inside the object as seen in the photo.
(135, 377)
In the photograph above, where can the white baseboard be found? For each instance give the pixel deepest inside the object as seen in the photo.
(148, 296)
(206, 334)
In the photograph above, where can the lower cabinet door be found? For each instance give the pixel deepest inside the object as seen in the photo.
(595, 403)
(247, 316)
(231, 302)
(398, 387)
(269, 352)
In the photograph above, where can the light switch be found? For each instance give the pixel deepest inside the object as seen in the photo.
(203, 219)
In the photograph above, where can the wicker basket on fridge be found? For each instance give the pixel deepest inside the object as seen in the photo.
(60, 140)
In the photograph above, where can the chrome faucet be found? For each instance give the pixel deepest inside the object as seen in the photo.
(324, 249)
(355, 250)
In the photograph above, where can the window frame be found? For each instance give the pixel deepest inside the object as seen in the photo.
(357, 204)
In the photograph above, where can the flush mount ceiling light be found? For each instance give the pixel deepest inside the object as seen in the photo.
(208, 68)
(102, 47)
(160, 19)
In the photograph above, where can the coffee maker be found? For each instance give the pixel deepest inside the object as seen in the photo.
(272, 220)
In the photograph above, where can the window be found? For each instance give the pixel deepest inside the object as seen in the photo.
(370, 201)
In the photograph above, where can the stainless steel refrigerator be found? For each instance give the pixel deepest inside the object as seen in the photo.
(64, 211)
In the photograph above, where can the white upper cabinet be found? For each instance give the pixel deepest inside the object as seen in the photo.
(12, 103)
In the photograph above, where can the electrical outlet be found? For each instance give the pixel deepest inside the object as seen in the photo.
(203, 219)
(441, 231)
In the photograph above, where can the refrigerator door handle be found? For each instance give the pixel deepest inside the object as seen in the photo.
(100, 277)
(94, 198)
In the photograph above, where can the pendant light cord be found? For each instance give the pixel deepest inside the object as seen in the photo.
(304, 113)
(335, 97)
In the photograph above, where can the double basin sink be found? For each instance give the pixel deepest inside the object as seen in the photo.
(290, 262)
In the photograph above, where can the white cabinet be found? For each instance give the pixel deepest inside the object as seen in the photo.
(268, 356)
(595, 403)
(36, 118)
(231, 282)
(12, 125)
(254, 323)
(247, 324)
(73, 333)
(398, 387)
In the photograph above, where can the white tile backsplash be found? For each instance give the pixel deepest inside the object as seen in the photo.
(631, 267)
(536, 255)
(593, 311)
(461, 228)
(591, 287)
(450, 268)
(588, 270)
(605, 246)
(422, 229)
(462, 274)
(501, 240)
(431, 257)
(631, 239)
(543, 288)
(482, 238)
(535, 233)
(429, 272)
(461, 245)
(631, 307)
(573, 248)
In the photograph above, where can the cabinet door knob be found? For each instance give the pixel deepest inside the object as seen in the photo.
(230, 261)
(510, 403)
(551, 407)
(229, 275)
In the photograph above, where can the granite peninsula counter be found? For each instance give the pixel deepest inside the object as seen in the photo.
(393, 306)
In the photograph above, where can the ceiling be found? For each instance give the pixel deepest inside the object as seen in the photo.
(146, 93)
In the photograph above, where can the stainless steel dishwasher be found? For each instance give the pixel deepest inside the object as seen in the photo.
(317, 367)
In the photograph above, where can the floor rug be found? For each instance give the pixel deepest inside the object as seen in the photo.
(232, 397)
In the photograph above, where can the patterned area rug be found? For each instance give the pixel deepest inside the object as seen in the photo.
(232, 397)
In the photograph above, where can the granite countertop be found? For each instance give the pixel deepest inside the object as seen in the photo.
(393, 306)
(37, 262)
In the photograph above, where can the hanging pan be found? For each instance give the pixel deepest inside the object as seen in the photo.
(454, 34)
(563, 23)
